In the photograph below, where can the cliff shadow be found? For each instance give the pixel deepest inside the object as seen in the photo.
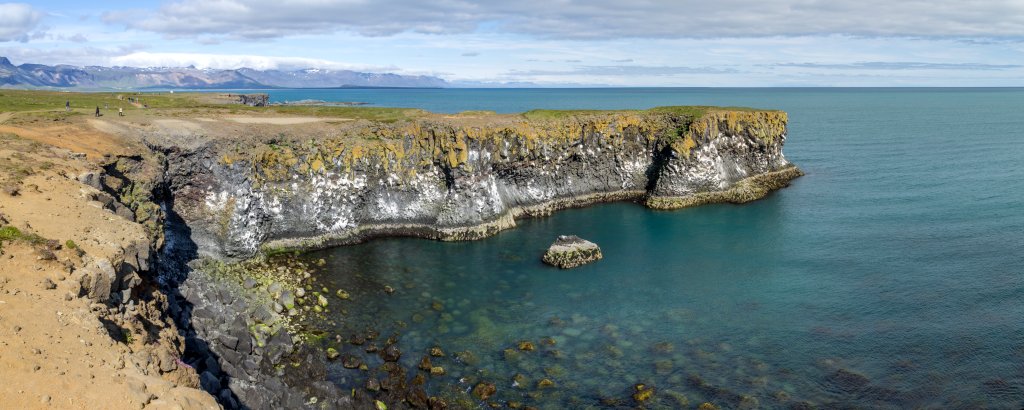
(661, 158)
(173, 270)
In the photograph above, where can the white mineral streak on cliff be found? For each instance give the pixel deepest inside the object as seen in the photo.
(330, 199)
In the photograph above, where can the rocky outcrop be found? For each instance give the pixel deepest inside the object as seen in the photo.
(254, 100)
(570, 251)
(467, 178)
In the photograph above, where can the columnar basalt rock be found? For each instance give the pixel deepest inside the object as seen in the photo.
(457, 179)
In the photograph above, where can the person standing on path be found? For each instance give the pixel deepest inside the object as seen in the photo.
(97, 111)
(120, 111)
(67, 105)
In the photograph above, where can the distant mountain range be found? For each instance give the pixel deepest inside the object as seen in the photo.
(94, 77)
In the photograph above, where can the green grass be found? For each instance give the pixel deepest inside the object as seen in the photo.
(25, 100)
(694, 111)
(383, 114)
(49, 105)
(11, 234)
(52, 103)
(535, 115)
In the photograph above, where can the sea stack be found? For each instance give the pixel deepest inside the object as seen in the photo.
(570, 251)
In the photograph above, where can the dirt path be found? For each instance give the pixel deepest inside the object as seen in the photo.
(279, 120)
(74, 137)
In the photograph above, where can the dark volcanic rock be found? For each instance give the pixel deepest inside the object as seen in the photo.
(390, 353)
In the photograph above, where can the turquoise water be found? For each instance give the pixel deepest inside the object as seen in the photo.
(899, 258)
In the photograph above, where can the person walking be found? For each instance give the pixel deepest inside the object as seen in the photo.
(67, 105)
(120, 111)
(97, 111)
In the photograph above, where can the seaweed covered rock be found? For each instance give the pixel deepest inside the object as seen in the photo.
(569, 251)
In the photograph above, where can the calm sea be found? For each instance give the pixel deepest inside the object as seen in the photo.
(892, 275)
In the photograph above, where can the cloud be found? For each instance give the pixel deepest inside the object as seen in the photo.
(233, 61)
(17, 20)
(582, 19)
(622, 70)
(470, 54)
(78, 56)
(886, 65)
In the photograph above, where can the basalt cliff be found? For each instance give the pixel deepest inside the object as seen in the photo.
(464, 178)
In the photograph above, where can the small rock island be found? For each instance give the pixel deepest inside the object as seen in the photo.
(570, 251)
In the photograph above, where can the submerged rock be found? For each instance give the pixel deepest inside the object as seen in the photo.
(484, 390)
(642, 393)
(848, 381)
(526, 346)
(569, 251)
(391, 353)
(351, 361)
(425, 363)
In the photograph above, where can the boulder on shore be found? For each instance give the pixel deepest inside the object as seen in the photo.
(569, 251)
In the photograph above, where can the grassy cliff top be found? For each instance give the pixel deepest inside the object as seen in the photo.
(192, 120)
(50, 103)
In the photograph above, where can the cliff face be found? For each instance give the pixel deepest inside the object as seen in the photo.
(467, 178)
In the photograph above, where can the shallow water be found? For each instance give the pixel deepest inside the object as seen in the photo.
(898, 257)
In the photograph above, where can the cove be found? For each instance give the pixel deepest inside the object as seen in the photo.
(722, 303)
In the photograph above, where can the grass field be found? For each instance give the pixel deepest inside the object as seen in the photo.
(51, 103)
(47, 104)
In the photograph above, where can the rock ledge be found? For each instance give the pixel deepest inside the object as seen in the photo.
(569, 251)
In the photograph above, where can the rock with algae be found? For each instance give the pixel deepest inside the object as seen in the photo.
(570, 251)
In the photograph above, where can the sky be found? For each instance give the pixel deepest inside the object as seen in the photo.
(721, 43)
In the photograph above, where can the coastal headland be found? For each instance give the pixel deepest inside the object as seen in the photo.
(146, 242)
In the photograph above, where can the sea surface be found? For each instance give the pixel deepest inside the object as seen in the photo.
(890, 276)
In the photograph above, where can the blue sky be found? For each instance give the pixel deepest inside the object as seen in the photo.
(551, 42)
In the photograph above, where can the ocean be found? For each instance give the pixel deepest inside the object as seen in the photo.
(890, 276)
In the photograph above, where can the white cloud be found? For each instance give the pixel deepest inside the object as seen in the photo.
(232, 61)
(17, 20)
(624, 70)
(79, 56)
(584, 19)
(903, 65)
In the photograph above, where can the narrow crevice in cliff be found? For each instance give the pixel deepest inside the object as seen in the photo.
(173, 269)
(661, 156)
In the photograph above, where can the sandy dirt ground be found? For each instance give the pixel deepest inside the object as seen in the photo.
(75, 138)
(54, 351)
(275, 120)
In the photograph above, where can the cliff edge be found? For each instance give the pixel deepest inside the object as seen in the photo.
(465, 177)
